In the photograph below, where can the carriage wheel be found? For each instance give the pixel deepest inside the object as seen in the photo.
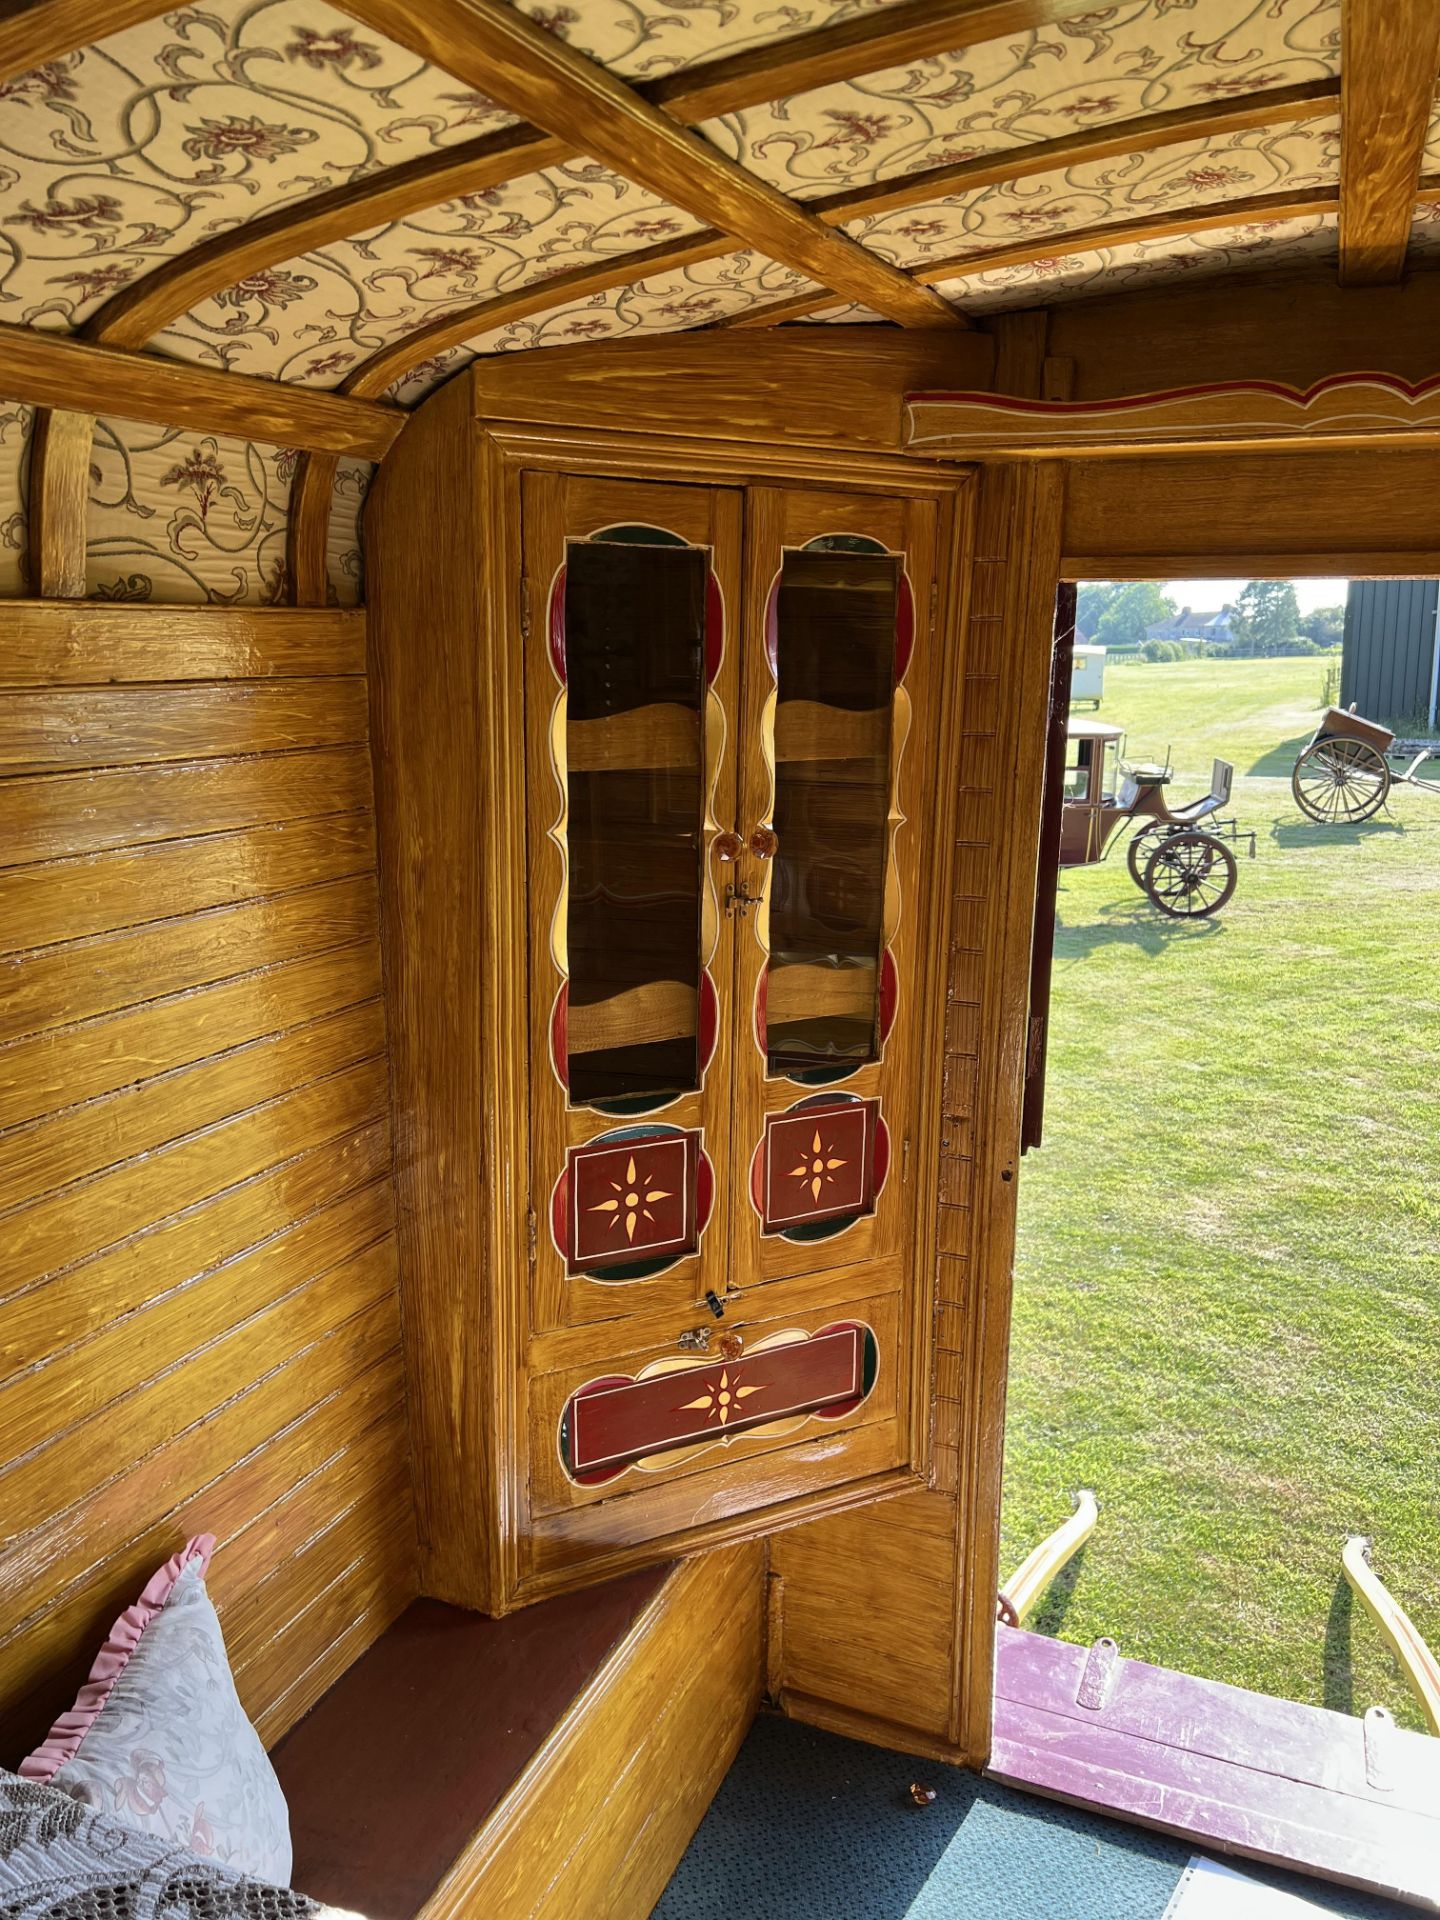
(1137, 854)
(1190, 874)
(1340, 782)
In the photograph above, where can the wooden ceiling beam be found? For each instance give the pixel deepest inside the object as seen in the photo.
(493, 46)
(864, 45)
(461, 324)
(856, 46)
(867, 44)
(797, 307)
(148, 305)
(1389, 58)
(74, 376)
(1159, 226)
(891, 36)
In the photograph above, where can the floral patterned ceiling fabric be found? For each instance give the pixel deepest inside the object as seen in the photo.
(642, 39)
(696, 296)
(344, 562)
(1234, 167)
(1425, 234)
(1137, 57)
(16, 423)
(1265, 246)
(126, 153)
(1430, 165)
(130, 151)
(178, 516)
(314, 320)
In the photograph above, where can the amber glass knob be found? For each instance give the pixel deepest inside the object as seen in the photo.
(728, 847)
(764, 843)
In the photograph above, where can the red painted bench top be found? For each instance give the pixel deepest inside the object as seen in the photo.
(390, 1775)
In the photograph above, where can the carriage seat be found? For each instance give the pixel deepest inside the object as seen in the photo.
(1222, 777)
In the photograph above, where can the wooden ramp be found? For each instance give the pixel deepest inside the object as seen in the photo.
(1357, 1801)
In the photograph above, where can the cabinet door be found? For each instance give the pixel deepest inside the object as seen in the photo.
(630, 677)
(833, 807)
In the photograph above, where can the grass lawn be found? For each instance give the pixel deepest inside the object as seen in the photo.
(1227, 1303)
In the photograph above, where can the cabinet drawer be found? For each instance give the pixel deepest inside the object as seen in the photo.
(618, 1424)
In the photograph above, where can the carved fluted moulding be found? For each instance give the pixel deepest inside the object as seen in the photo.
(1352, 408)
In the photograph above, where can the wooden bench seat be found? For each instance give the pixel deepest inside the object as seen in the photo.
(554, 1761)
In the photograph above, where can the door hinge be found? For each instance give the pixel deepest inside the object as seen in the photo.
(524, 606)
(934, 603)
(530, 1234)
(905, 1162)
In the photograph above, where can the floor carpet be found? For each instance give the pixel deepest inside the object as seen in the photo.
(807, 1826)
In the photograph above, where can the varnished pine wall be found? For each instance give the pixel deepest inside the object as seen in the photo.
(199, 1327)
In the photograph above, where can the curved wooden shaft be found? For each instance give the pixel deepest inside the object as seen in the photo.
(1420, 1665)
(1022, 1592)
(308, 533)
(59, 501)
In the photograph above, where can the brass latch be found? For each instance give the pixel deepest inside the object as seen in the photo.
(737, 900)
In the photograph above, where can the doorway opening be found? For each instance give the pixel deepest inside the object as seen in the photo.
(1226, 1325)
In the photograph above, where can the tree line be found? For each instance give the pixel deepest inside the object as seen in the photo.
(1265, 620)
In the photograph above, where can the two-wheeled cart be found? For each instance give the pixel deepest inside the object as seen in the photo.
(1346, 772)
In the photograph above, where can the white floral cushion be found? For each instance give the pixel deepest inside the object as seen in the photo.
(157, 1737)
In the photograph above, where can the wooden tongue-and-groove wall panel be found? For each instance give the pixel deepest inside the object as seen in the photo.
(199, 1326)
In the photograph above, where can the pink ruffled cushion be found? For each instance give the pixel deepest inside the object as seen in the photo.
(62, 1743)
(158, 1738)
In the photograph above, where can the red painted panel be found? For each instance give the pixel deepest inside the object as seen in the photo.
(819, 1163)
(632, 1199)
(610, 1424)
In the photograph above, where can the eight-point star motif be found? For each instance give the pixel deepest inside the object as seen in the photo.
(635, 1201)
(819, 1167)
(722, 1401)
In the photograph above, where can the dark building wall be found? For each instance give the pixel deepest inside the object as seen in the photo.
(1388, 668)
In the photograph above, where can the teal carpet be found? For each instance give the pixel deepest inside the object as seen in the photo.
(807, 1826)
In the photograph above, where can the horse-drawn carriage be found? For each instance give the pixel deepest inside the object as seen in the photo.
(1181, 858)
(1344, 775)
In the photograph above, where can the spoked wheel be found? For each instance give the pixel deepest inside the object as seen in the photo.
(1137, 854)
(1190, 874)
(1340, 782)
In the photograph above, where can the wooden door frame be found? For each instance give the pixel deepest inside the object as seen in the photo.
(1014, 574)
(1027, 531)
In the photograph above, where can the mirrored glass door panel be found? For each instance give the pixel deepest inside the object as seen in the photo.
(834, 642)
(630, 777)
(634, 639)
(830, 942)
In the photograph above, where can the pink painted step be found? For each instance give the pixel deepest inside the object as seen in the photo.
(1356, 1801)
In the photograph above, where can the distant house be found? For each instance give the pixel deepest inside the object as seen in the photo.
(1192, 624)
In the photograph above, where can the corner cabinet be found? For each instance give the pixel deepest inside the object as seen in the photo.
(658, 733)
